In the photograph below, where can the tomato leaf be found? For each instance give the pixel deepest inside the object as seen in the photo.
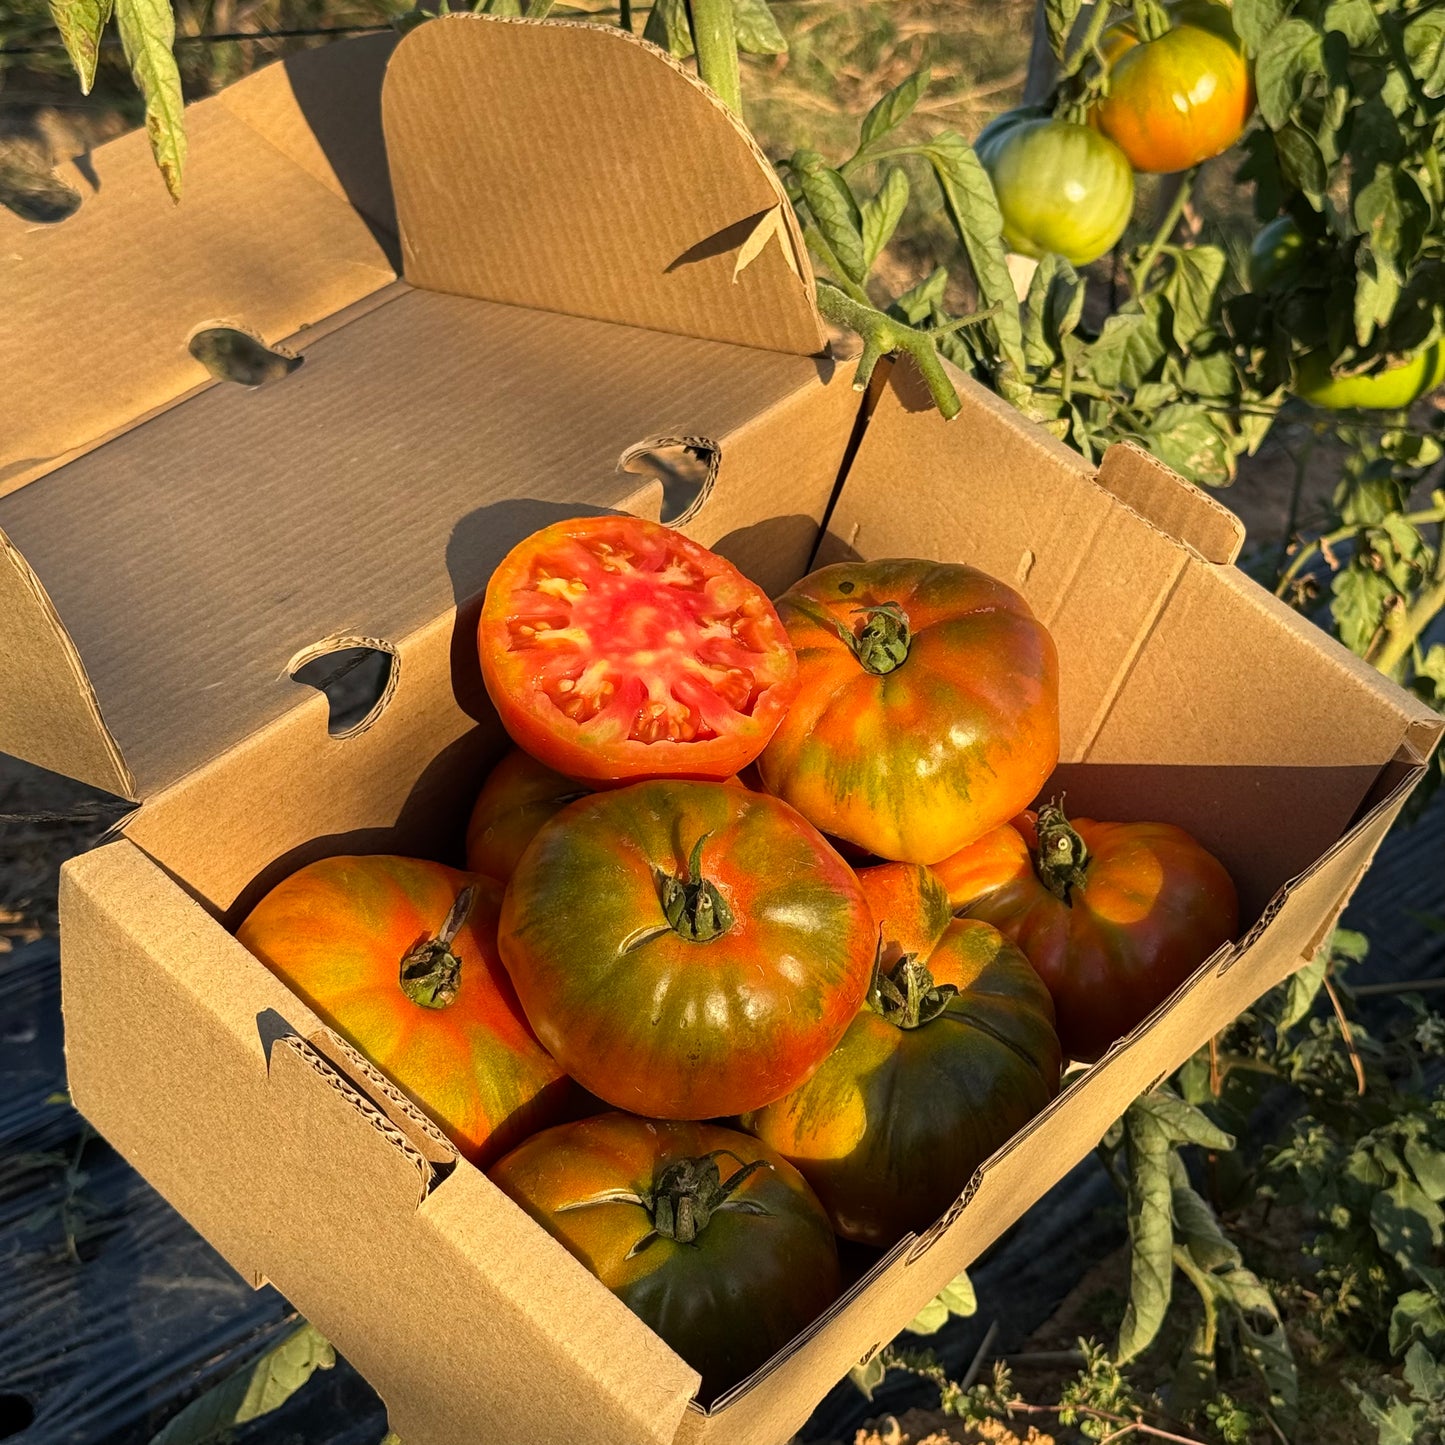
(1301, 163)
(1424, 41)
(1419, 1314)
(1059, 16)
(1288, 55)
(1186, 437)
(1353, 20)
(1191, 289)
(972, 206)
(1127, 351)
(668, 26)
(1263, 1339)
(757, 29)
(1357, 605)
(1195, 1224)
(893, 109)
(1052, 311)
(1303, 988)
(834, 209)
(917, 303)
(881, 215)
(80, 23)
(956, 1298)
(1181, 1122)
(264, 1385)
(1151, 1231)
(1256, 20)
(867, 1378)
(1406, 1221)
(148, 32)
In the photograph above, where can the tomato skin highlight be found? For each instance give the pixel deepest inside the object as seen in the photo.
(914, 764)
(615, 648)
(1061, 187)
(659, 1023)
(1151, 907)
(1178, 100)
(727, 1302)
(336, 933)
(892, 1126)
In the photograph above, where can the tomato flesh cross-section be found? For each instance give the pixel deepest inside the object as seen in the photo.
(614, 648)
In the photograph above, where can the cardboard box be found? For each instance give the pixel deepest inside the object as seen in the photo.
(578, 292)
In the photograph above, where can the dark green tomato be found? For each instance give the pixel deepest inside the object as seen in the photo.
(1278, 256)
(935, 1074)
(1061, 187)
(686, 950)
(725, 1262)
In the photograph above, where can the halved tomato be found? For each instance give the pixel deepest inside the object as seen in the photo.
(614, 648)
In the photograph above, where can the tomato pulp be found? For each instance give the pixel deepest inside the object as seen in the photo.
(614, 648)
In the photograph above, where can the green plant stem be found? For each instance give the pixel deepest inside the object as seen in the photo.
(1301, 467)
(1072, 64)
(1140, 275)
(1184, 1263)
(817, 243)
(1404, 626)
(1343, 534)
(883, 335)
(715, 36)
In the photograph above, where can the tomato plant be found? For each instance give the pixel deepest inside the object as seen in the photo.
(1114, 916)
(1178, 99)
(1061, 187)
(927, 709)
(687, 950)
(709, 1236)
(615, 648)
(399, 956)
(953, 1052)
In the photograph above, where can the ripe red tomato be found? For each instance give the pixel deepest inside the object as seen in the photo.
(952, 1054)
(686, 950)
(706, 1234)
(927, 711)
(519, 795)
(613, 648)
(1114, 916)
(1061, 187)
(372, 946)
(1178, 100)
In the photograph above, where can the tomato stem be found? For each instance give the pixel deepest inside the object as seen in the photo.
(881, 643)
(693, 905)
(907, 996)
(685, 1197)
(1062, 859)
(431, 973)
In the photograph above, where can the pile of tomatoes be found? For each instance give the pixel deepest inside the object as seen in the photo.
(758, 945)
(1066, 185)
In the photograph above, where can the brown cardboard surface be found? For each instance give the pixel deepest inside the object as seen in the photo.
(1173, 505)
(628, 225)
(363, 495)
(258, 243)
(299, 1179)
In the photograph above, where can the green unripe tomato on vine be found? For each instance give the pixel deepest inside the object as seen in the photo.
(1389, 390)
(1061, 187)
(1277, 256)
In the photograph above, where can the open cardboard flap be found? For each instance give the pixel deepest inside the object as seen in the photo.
(364, 494)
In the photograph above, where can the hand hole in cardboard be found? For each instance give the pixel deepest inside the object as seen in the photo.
(32, 191)
(686, 467)
(358, 676)
(231, 354)
(17, 1414)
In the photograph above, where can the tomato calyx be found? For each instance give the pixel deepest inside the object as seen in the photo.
(693, 905)
(881, 643)
(684, 1199)
(906, 996)
(1062, 857)
(431, 973)
(1151, 20)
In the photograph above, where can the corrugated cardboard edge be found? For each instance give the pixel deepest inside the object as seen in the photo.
(1163, 498)
(613, 234)
(62, 729)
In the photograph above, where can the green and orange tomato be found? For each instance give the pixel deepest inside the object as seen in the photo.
(927, 710)
(687, 950)
(399, 956)
(519, 795)
(707, 1235)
